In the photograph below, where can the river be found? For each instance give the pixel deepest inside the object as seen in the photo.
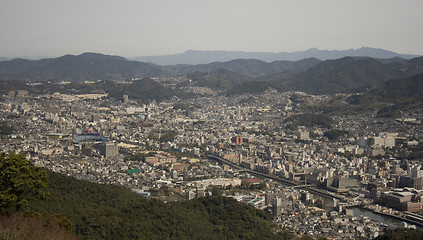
(358, 211)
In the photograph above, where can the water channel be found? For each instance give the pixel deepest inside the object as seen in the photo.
(358, 211)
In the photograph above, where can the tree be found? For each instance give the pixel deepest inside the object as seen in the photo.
(20, 182)
(5, 129)
(401, 233)
(335, 134)
(18, 226)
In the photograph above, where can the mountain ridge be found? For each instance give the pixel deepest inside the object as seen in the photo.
(248, 67)
(347, 74)
(86, 66)
(204, 57)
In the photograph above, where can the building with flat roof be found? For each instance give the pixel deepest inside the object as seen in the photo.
(223, 182)
(108, 149)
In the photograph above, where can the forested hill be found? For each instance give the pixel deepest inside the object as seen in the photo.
(221, 79)
(394, 97)
(112, 212)
(346, 74)
(87, 66)
(248, 67)
(144, 90)
(341, 75)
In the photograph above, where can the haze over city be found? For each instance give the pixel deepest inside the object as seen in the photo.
(196, 119)
(49, 28)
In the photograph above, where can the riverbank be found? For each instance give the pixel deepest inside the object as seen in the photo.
(399, 218)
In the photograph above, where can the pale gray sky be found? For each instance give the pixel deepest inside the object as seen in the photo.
(158, 27)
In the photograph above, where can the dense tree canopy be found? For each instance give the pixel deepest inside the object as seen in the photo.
(18, 226)
(20, 182)
(5, 129)
(309, 120)
(400, 234)
(335, 134)
(112, 212)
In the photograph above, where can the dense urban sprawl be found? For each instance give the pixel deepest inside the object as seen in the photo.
(163, 150)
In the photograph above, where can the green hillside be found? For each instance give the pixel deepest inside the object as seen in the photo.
(87, 66)
(394, 97)
(401, 234)
(144, 90)
(341, 75)
(112, 212)
(220, 79)
(248, 67)
(408, 68)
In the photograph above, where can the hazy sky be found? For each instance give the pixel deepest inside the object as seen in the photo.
(157, 27)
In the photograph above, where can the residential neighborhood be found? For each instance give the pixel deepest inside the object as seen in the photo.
(311, 181)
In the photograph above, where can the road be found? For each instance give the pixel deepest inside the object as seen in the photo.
(276, 178)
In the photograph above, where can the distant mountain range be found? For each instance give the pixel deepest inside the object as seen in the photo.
(248, 67)
(334, 76)
(349, 75)
(311, 75)
(204, 57)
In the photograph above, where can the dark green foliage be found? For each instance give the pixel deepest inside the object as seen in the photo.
(394, 91)
(394, 97)
(401, 234)
(260, 85)
(253, 87)
(5, 129)
(216, 190)
(296, 98)
(12, 85)
(309, 120)
(233, 221)
(416, 152)
(388, 112)
(220, 79)
(162, 135)
(186, 106)
(144, 90)
(340, 75)
(20, 182)
(411, 67)
(18, 226)
(254, 187)
(398, 90)
(248, 67)
(335, 134)
(112, 212)
(140, 156)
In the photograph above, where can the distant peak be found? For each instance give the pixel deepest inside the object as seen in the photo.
(312, 50)
(100, 55)
(91, 54)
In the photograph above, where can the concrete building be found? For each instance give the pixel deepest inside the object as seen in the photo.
(276, 206)
(108, 149)
(303, 135)
(403, 199)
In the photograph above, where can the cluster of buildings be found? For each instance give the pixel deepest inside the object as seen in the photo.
(163, 145)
